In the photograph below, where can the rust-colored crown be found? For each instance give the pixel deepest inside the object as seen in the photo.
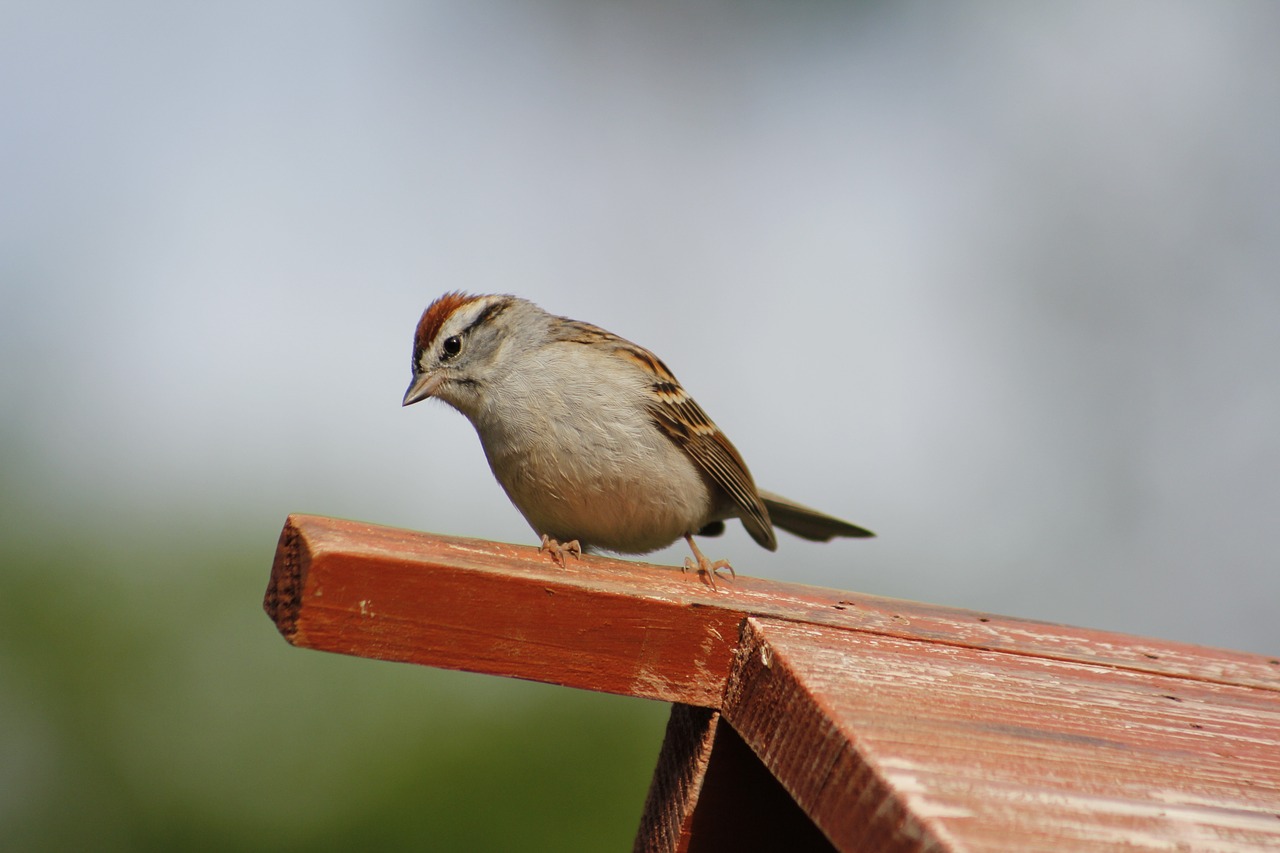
(435, 315)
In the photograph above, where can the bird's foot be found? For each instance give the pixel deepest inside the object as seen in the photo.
(707, 570)
(559, 551)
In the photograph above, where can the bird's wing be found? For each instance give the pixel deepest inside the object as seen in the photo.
(684, 422)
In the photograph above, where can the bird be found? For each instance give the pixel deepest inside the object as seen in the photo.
(592, 437)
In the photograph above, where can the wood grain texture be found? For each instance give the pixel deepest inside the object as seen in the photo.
(620, 626)
(677, 780)
(711, 793)
(893, 726)
(743, 808)
(390, 594)
(892, 744)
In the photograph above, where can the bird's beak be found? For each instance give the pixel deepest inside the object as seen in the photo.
(422, 387)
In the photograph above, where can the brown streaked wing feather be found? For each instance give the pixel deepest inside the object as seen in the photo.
(689, 427)
(684, 422)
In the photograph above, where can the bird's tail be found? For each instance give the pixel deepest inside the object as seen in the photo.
(808, 523)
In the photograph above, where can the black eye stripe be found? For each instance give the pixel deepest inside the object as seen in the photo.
(453, 345)
(490, 311)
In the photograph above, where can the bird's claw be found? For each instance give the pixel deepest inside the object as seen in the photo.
(707, 570)
(558, 550)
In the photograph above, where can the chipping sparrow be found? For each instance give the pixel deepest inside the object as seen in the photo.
(591, 436)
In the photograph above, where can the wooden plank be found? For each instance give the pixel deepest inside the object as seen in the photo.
(677, 781)
(892, 744)
(710, 793)
(621, 626)
(504, 610)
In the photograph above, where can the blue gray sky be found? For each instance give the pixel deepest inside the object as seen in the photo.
(997, 280)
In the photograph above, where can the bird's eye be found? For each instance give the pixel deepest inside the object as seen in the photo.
(451, 347)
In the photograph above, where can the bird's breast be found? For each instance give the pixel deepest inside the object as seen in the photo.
(579, 465)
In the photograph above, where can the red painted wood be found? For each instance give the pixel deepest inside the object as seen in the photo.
(499, 609)
(621, 626)
(710, 793)
(895, 726)
(892, 744)
(677, 781)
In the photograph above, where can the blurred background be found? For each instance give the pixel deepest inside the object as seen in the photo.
(997, 280)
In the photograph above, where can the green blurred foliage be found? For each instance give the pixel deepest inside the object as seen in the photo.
(147, 703)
